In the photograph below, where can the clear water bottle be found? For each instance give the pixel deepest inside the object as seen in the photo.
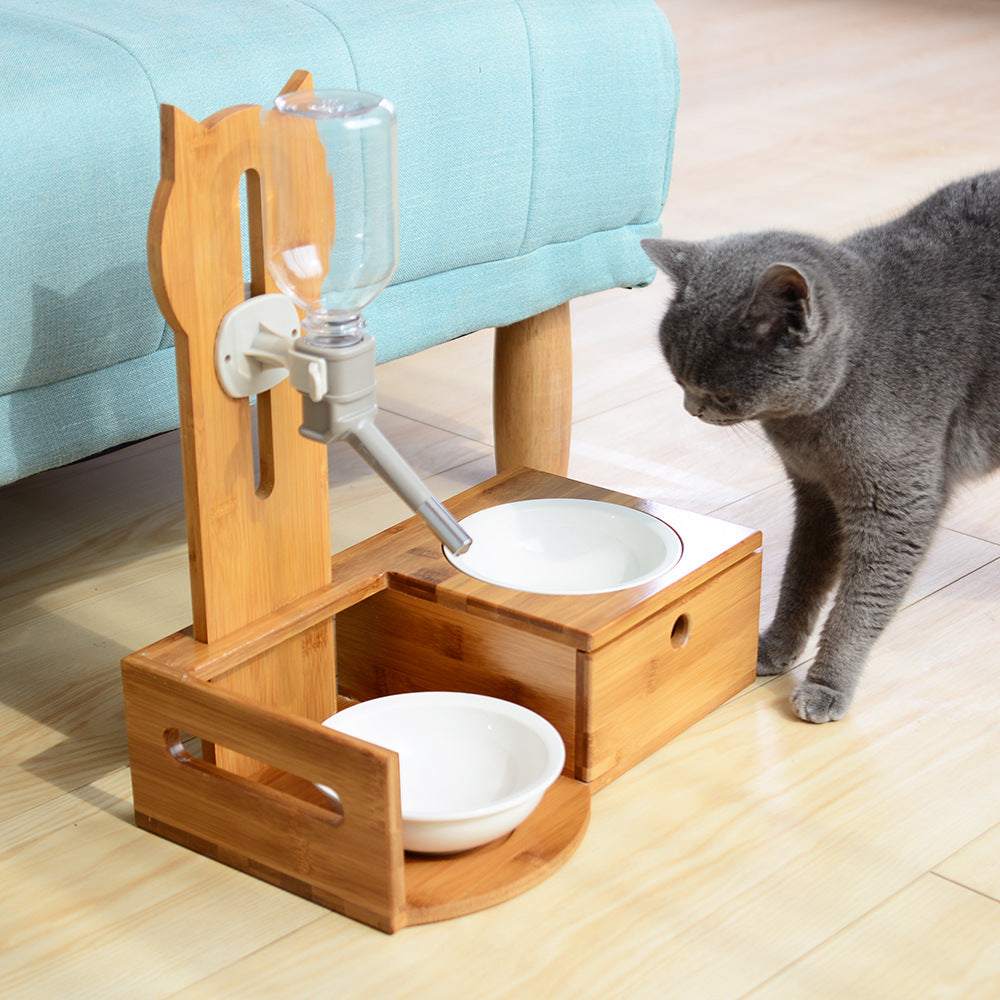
(331, 227)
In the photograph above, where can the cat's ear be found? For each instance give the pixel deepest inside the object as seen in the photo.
(673, 257)
(780, 305)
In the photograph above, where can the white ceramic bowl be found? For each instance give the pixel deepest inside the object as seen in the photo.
(566, 546)
(471, 768)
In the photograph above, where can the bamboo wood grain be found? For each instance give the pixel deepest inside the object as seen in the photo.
(258, 671)
(253, 547)
(257, 539)
(416, 565)
(409, 626)
(617, 675)
(443, 888)
(393, 643)
(278, 828)
(455, 885)
(182, 653)
(665, 675)
(263, 607)
(357, 862)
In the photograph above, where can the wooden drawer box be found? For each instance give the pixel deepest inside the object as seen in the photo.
(617, 675)
(651, 683)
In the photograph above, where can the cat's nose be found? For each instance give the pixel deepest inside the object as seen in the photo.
(694, 402)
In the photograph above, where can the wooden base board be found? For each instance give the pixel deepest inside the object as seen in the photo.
(438, 888)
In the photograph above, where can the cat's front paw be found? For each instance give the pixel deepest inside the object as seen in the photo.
(770, 660)
(814, 702)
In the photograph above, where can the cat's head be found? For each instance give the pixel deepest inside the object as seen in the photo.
(748, 331)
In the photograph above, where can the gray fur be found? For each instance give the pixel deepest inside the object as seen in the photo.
(873, 366)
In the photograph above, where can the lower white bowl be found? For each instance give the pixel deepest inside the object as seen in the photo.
(471, 768)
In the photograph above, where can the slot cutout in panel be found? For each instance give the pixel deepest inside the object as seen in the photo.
(187, 750)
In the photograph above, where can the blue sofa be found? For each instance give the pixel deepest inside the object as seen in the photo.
(535, 144)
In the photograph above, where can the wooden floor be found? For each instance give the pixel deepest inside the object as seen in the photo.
(755, 856)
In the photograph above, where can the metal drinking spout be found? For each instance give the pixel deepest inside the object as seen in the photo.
(338, 404)
(371, 444)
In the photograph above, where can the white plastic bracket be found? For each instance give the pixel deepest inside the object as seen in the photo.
(253, 343)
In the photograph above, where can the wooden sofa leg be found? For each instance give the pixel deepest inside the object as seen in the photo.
(533, 392)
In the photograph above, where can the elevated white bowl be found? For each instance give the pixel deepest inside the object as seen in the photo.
(471, 768)
(566, 546)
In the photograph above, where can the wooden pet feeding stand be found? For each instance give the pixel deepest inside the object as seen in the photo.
(224, 718)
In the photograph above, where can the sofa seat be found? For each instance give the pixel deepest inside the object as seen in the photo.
(535, 144)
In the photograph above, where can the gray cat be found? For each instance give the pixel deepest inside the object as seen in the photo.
(873, 366)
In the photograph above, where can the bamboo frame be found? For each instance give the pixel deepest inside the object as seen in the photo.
(283, 635)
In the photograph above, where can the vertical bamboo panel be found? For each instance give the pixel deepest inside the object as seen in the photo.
(254, 546)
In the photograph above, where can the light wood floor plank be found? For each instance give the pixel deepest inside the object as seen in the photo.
(95, 907)
(933, 939)
(977, 865)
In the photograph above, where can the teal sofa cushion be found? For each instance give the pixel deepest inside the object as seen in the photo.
(535, 143)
